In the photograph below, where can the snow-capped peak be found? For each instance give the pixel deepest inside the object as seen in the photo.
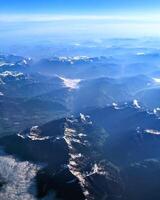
(151, 131)
(136, 103)
(13, 74)
(34, 134)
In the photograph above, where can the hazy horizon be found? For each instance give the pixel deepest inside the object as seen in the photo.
(46, 20)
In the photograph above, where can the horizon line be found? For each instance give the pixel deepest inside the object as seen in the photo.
(52, 17)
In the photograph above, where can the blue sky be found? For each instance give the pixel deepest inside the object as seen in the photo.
(78, 6)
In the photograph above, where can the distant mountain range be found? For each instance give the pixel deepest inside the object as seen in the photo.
(80, 127)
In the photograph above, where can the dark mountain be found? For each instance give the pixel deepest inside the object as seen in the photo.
(17, 113)
(113, 154)
(72, 149)
(24, 100)
(133, 84)
(22, 85)
(99, 93)
(150, 97)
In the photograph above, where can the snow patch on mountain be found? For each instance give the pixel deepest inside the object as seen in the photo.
(115, 105)
(11, 74)
(34, 134)
(136, 103)
(75, 58)
(151, 131)
(98, 169)
(2, 64)
(74, 137)
(156, 110)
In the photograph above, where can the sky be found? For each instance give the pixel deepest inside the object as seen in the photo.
(78, 6)
(42, 19)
